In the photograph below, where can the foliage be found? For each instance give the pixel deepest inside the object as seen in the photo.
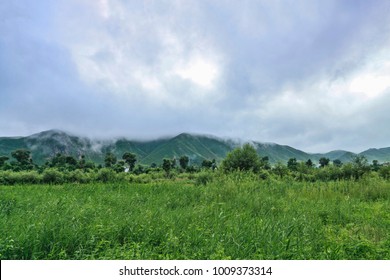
(3, 159)
(337, 163)
(323, 162)
(130, 159)
(109, 159)
(106, 175)
(309, 163)
(52, 176)
(360, 165)
(243, 158)
(292, 164)
(183, 161)
(280, 169)
(384, 172)
(203, 178)
(167, 165)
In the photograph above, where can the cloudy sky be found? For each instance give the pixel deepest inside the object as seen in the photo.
(311, 74)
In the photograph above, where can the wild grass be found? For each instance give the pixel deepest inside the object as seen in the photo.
(237, 216)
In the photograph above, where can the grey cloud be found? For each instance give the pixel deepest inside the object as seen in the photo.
(264, 50)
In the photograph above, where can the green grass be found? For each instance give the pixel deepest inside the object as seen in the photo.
(228, 217)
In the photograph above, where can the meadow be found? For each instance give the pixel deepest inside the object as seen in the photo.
(203, 216)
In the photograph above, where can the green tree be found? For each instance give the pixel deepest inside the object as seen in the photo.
(183, 161)
(292, 164)
(375, 165)
(23, 158)
(309, 163)
(167, 165)
(280, 169)
(244, 158)
(130, 159)
(337, 163)
(264, 162)
(109, 159)
(324, 162)
(71, 161)
(206, 163)
(63, 162)
(384, 171)
(119, 166)
(360, 166)
(82, 162)
(3, 159)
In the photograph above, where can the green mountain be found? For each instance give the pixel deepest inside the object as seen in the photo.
(47, 144)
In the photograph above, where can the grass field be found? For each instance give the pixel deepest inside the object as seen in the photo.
(234, 216)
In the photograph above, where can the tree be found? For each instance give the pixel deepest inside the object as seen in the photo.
(3, 159)
(309, 163)
(244, 158)
(337, 163)
(71, 161)
(130, 159)
(63, 162)
(264, 162)
(292, 164)
(109, 159)
(58, 161)
(360, 166)
(23, 158)
(206, 163)
(167, 165)
(384, 171)
(324, 162)
(375, 165)
(280, 169)
(119, 166)
(183, 161)
(82, 162)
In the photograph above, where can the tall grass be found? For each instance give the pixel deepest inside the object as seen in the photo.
(236, 216)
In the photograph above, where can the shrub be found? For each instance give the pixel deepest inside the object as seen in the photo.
(52, 176)
(78, 176)
(8, 178)
(384, 172)
(106, 175)
(28, 177)
(243, 159)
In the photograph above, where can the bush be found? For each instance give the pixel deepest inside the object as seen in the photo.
(384, 172)
(52, 176)
(8, 178)
(243, 159)
(78, 176)
(28, 177)
(106, 175)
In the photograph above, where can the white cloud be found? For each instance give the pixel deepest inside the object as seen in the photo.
(199, 70)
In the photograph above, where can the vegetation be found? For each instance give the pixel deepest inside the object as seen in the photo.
(242, 208)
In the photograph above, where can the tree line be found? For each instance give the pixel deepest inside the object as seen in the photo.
(66, 168)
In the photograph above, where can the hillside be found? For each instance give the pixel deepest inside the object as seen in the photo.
(47, 144)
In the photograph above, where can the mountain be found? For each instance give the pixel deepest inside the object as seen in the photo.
(382, 155)
(47, 144)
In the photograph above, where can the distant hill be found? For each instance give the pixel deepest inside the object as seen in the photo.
(47, 144)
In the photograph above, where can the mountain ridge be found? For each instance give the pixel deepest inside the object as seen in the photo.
(197, 147)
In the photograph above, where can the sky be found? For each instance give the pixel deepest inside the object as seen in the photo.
(314, 75)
